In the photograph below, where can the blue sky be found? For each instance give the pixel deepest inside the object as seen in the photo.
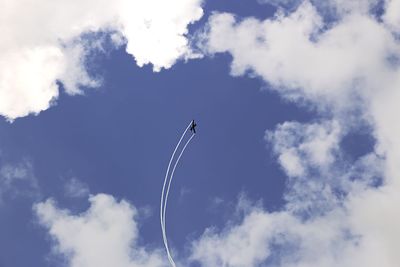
(273, 143)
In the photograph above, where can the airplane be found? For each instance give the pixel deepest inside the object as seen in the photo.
(193, 127)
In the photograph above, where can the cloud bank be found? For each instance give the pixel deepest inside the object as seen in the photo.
(338, 212)
(41, 44)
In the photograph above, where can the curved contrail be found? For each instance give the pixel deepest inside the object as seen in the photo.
(162, 213)
(166, 174)
(172, 176)
(166, 199)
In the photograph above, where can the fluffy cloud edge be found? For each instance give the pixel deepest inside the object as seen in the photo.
(106, 234)
(37, 55)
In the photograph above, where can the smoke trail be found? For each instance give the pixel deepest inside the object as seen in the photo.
(166, 199)
(162, 195)
(166, 174)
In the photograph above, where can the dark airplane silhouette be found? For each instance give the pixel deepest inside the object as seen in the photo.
(193, 127)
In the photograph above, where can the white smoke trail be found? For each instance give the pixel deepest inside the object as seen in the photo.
(162, 195)
(166, 174)
(166, 200)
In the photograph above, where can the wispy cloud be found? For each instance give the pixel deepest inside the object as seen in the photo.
(75, 188)
(18, 180)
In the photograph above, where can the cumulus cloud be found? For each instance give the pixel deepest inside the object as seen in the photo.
(18, 180)
(104, 235)
(245, 244)
(281, 239)
(302, 59)
(337, 212)
(300, 144)
(41, 44)
(274, 239)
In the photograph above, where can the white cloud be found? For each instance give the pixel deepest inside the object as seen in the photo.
(276, 239)
(41, 44)
(392, 16)
(317, 228)
(105, 235)
(24, 89)
(18, 180)
(302, 59)
(319, 177)
(299, 144)
(334, 8)
(337, 212)
(76, 188)
(245, 244)
(309, 154)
